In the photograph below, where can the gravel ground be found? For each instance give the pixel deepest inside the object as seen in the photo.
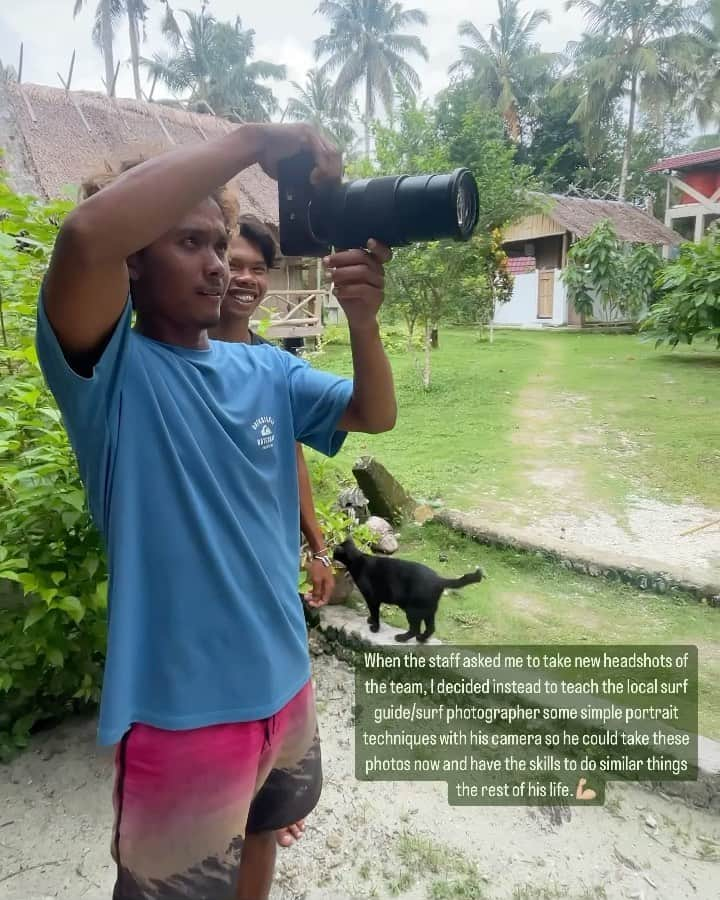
(367, 840)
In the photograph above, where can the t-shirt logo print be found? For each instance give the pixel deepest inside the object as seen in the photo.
(264, 431)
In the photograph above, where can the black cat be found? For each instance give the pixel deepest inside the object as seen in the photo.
(415, 588)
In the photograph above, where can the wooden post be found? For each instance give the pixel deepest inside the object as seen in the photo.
(699, 225)
(114, 81)
(162, 125)
(20, 65)
(66, 84)
(74, 102)
(668, 216)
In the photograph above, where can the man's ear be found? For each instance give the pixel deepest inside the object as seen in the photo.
(135, 266)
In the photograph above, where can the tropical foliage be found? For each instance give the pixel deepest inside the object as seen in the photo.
(211, 62)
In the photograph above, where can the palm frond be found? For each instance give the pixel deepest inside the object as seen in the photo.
(266, 70)
(170, 28)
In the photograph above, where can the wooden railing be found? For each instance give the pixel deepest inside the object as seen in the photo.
(292, 313)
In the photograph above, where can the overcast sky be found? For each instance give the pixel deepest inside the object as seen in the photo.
(285, 30)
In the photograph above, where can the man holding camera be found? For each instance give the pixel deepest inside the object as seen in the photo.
(251, 256)
(186, 448)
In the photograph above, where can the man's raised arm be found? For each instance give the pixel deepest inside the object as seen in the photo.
(359, 281)
(87, 283)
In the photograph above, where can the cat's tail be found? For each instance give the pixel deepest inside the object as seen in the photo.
(464, 580)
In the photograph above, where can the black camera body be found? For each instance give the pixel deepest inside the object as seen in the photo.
(395, 209)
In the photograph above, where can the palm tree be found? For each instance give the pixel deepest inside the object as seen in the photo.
(366, 42)
(508, 63)
(705, 99)
(108, 16)
(103, 35)
(317, 104)
(7, 73)
(634, 49)
(210, 60)
(136, 11)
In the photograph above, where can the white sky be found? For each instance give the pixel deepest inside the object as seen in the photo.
(285, 30)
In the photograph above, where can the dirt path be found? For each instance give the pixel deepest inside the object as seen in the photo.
(368, 840)
(553, 430)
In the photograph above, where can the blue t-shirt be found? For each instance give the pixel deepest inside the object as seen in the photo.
(188, 460)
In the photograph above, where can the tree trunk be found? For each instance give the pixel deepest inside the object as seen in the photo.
(107, 47)
(426, 368)
(629, 138)
(434, 337)
(135, 51)
(492, 330)
(410, 322)
(368, 107)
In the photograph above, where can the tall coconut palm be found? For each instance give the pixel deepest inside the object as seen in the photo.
(366, 43)
(136, 11)
(103, 35)
(634, 49)
(108, 16)
(508, 62)
(317, 104)
(705, 99)
(210, 60)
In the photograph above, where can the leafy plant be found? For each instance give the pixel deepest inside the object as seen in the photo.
(601, 269)
(52, 571)
(688, 292)
(336, 526)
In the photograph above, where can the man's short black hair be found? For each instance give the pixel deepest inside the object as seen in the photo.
(260, 236)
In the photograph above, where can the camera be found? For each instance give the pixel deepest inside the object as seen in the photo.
(395, 209)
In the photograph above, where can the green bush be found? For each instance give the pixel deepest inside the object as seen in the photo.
(604, 269)
(52, 629)
(395, 339)
(688, 290)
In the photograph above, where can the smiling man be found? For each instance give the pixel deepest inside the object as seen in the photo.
(186, 448)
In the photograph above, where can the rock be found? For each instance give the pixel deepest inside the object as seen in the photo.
(423, 513)
(334, 841)
(385, 540)
(386, 497)
(344, 586)
(651, 821)
(355, 503)
(442, 557)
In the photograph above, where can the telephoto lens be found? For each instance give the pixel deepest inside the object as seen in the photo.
(395, 209)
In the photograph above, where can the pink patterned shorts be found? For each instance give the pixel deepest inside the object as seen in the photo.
(185, 799)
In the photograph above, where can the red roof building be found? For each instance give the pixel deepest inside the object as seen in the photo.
(693, 192)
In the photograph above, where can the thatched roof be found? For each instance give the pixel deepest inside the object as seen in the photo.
(53, 139)
(633, 225)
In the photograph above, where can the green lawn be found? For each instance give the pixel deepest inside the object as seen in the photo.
(632, 419)
(526, 600)
(653, 417)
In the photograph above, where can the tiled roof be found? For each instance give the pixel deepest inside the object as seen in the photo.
(520, 265)
(687, 160)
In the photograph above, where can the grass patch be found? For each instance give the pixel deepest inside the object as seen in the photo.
(655, 415)
(460, 430)
(665, 404)
(557, 892)
(452, 875)
(529, 600)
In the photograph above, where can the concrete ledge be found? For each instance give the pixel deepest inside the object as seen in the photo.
(347, 634)
(641, 573)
